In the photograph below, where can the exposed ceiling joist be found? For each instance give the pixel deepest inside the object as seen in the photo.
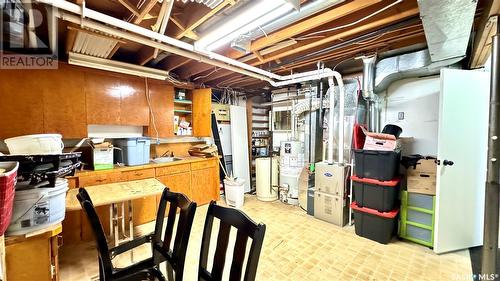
(350, 32)
(298, 28)
(208, 15)
(190, 34)
(173, 62)
(328, 40)
(132, 8)
(147, 54)
(306, 25)
(487, 28)
(145, 11)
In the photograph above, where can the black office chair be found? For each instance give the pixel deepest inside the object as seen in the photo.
(174, 254)
(246, 229)
(148, 268)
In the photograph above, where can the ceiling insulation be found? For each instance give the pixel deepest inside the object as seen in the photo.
(447, 26)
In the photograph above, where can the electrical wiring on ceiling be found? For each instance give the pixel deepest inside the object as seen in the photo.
(204, 76)
(351, 23)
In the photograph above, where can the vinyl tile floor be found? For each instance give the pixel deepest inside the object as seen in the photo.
(298, 247)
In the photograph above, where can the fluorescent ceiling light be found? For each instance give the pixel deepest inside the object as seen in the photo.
(257, 15)
(116, 66)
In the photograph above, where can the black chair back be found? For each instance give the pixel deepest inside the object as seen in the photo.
(105, 265)
(178, 203)
(246, 229)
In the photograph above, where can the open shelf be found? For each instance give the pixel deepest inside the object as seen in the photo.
(183, 101)
(183, 111)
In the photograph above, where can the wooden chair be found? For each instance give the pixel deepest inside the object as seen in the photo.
(246, 229)
(174, 254)
(148, 268)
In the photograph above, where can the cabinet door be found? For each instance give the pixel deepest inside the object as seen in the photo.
(134, 105)
(178, 183)
(64, 110)
(162, 104)
(204, 185)
(202, 100)
(21, 103)
(103, 98)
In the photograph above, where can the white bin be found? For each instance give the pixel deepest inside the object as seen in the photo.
(38, 208)
(235, 192)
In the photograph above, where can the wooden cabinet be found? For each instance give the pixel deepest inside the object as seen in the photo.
(134, 109)
(99, 178)
(21, 103)
(199, 180)
(175, 169)
(103, 98)
(204, 185)
(35, 257)
(64, 110)
(138, 174)
(162, 105)
(144, 209)
(202, 100)
(178, 183)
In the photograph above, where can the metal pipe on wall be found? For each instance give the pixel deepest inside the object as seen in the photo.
(491, 209)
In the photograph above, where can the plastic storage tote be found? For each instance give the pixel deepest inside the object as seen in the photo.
(135, 151)
(374, 225)
(373, 164)
(7, 188)
(417, 218)
(379, 195)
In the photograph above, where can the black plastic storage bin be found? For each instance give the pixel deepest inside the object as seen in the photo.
(374, 194)
(374, 164)
(374, 225)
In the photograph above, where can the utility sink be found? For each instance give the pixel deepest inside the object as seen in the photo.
(166, 159)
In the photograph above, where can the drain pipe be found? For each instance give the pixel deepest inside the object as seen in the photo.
(369, 94)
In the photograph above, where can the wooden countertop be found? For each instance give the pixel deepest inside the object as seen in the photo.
(185, 160)
(49, 231)
(106, 194)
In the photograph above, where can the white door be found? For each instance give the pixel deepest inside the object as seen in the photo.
(239, 144)
(462, 139)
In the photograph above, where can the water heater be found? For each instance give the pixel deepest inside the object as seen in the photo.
(291, 164)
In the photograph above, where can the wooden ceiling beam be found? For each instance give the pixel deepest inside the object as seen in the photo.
(191, 34)
(350, 32)
(145, 11)
(487, 28)
(132, 8)
(204, 18)
(172, 62)
(147, 53)
(306, 25)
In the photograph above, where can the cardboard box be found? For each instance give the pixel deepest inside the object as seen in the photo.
(422, 178)
(102, 156)
(426, 166)
(381, 142)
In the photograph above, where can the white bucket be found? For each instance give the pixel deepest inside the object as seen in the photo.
(38, 208)
(35, 144)
(235, 192)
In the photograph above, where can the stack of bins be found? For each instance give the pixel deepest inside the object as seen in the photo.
(376, 187)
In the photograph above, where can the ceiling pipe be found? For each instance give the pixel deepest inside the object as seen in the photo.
(176, 46)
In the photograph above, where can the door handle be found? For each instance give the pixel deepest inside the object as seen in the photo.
(445, 162)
